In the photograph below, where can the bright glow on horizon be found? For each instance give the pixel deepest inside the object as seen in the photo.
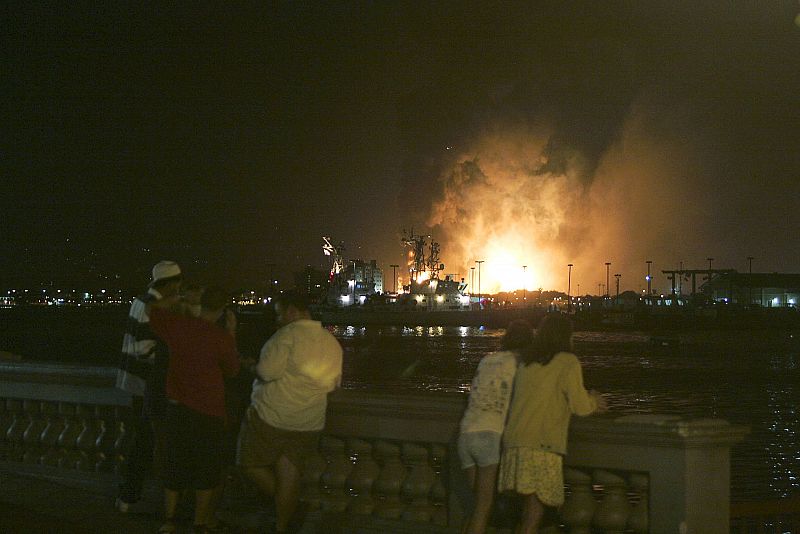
(503, 269)
(502, 203)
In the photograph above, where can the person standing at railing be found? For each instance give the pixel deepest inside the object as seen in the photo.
(482, 425)
(297, 368)
(142, 373)
(202, 355)
(548, 389)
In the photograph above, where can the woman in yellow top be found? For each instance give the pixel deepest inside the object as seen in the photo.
(548, 389)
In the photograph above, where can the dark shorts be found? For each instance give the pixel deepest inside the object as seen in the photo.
(194, 449)
(260, 444)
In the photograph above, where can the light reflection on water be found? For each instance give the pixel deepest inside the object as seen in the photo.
(746, 378)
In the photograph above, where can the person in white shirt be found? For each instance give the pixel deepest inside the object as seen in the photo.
(482, 425)
(299, 365)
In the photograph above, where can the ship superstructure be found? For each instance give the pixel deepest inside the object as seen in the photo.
(356, 282)
(426, 286)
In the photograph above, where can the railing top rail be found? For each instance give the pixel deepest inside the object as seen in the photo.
(12, 369)
(770, 508)
(441, 409)
(657, 430)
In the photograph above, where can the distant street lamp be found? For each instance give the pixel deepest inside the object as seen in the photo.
(617, 276)
(750, 282)
(709, 267)
(524, 284)
(394, 276)
(569, 286)
(750, 261)
(471, 279)
(479, 280)
(608, 265)
(649, 278)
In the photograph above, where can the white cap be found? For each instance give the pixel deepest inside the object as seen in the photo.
(165, 269)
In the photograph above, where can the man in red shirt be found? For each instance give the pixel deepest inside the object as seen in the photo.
(202, 355)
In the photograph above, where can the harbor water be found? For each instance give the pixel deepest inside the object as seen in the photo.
(746, 377)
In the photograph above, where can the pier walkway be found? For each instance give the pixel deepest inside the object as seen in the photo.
(36, 505)
(32, 504)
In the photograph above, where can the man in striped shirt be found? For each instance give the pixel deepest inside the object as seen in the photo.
(142, 373)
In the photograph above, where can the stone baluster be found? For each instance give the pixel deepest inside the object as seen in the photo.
(76, 458)
(49, 437)
(104, 442)
(87, 438)
(613, 511)
(313, 467)
(122, 434)
(122, 438)
(417, 485)
(69, 435)
(638, 520)
(438, 493)
(102, 460)
(19, 422)
(336, 497)
(6, 420)
(388, 485)
(363, 475)
(31, 437)
(579, 504)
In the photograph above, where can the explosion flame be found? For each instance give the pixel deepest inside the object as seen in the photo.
(501, 203)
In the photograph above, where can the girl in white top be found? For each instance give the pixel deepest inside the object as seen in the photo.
(483, 421)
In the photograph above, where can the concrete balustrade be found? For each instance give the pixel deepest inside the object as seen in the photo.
(387, 462)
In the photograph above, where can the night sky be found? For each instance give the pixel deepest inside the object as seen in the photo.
(231, 138)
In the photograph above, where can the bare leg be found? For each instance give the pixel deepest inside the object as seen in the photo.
(531, 515)
(170, 506)
(263, 477)
(170, 503)
(202, 506)
(288, 492)
(470, 473)
(211, 520)
(484, 497)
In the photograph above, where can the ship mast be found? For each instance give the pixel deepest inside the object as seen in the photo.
(433, 264)
(417, 263)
